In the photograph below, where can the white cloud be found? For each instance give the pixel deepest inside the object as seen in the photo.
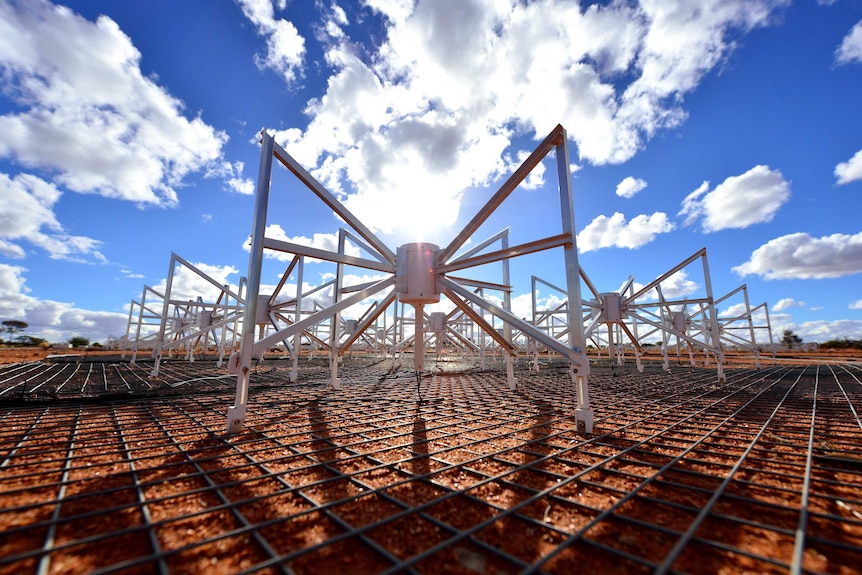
(825, 330)
(674, 287)
(850, 49)
(536, 178)
(678, 286)
(127, 273)
(52, 320)
(856, 304)
(522, 304)
(432, 110)
(810, 331)
(786, 303)
(285, 48)
(614, 231)
(187, 285)
(799, 256)
(83, 110)
(26, 214)
(734, 310)
(630, 186)
(740, 201)
(328, 242)
(242, 186)
(231, 174)
(851, 170)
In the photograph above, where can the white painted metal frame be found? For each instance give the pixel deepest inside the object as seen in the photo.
(146, 316)
(741, 330)
(621, 312)
(192, 320)
(385, 261)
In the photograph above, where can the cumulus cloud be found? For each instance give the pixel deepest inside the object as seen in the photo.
(850, 49)
(432, 109)
(786, 303)
(52, 320)
(851, 170)
(739, 202)
(677, 285)
(735, 310)
(800, 256)
(825, 330)
(188, 285)
(285, 47)
(82, 109)
(856, 304)
(27, 214)
(615, 231)
(630, 186)
(328, 242)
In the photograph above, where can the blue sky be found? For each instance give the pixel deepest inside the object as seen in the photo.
(128, 130)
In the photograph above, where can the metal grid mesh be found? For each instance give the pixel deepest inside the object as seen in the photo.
(761, 474)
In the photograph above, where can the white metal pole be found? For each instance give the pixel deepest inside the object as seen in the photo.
(583, 413)
(236, 412)
(713, 320)
(297, 316)
(157, 352)
(507, 327)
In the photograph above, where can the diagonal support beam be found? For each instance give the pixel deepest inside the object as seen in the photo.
(308, 251)
(548, 144)
(321, 315)
(311, 182)
(480, 321)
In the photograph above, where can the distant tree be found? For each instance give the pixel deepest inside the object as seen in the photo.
(29, 341)
(97, 345)
(842, 344)
(79, 341)
(790, 339)
(13, 326)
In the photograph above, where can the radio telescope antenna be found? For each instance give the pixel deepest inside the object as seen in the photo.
(418, 274)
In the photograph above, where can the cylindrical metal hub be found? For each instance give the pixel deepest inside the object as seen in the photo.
(438, 321)
(612, 311)
(414, 273)
(680, 321)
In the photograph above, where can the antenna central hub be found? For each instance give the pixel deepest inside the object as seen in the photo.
(415, 280)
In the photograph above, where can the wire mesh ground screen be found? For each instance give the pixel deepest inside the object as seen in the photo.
(103, 471)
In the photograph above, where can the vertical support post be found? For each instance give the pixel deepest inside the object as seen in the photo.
(713, 321)
(664, 332)
(507, 328)
(128, 328)
(611, 350)
(583, 413)
(221, 340)
(769, 331)
(236, 412)
(751, 327)
(638, 361)
(482, 336)
(419, 337)
(157, 352)
(297, 316)
(535, 342)
(335, 322)
(138, 328)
